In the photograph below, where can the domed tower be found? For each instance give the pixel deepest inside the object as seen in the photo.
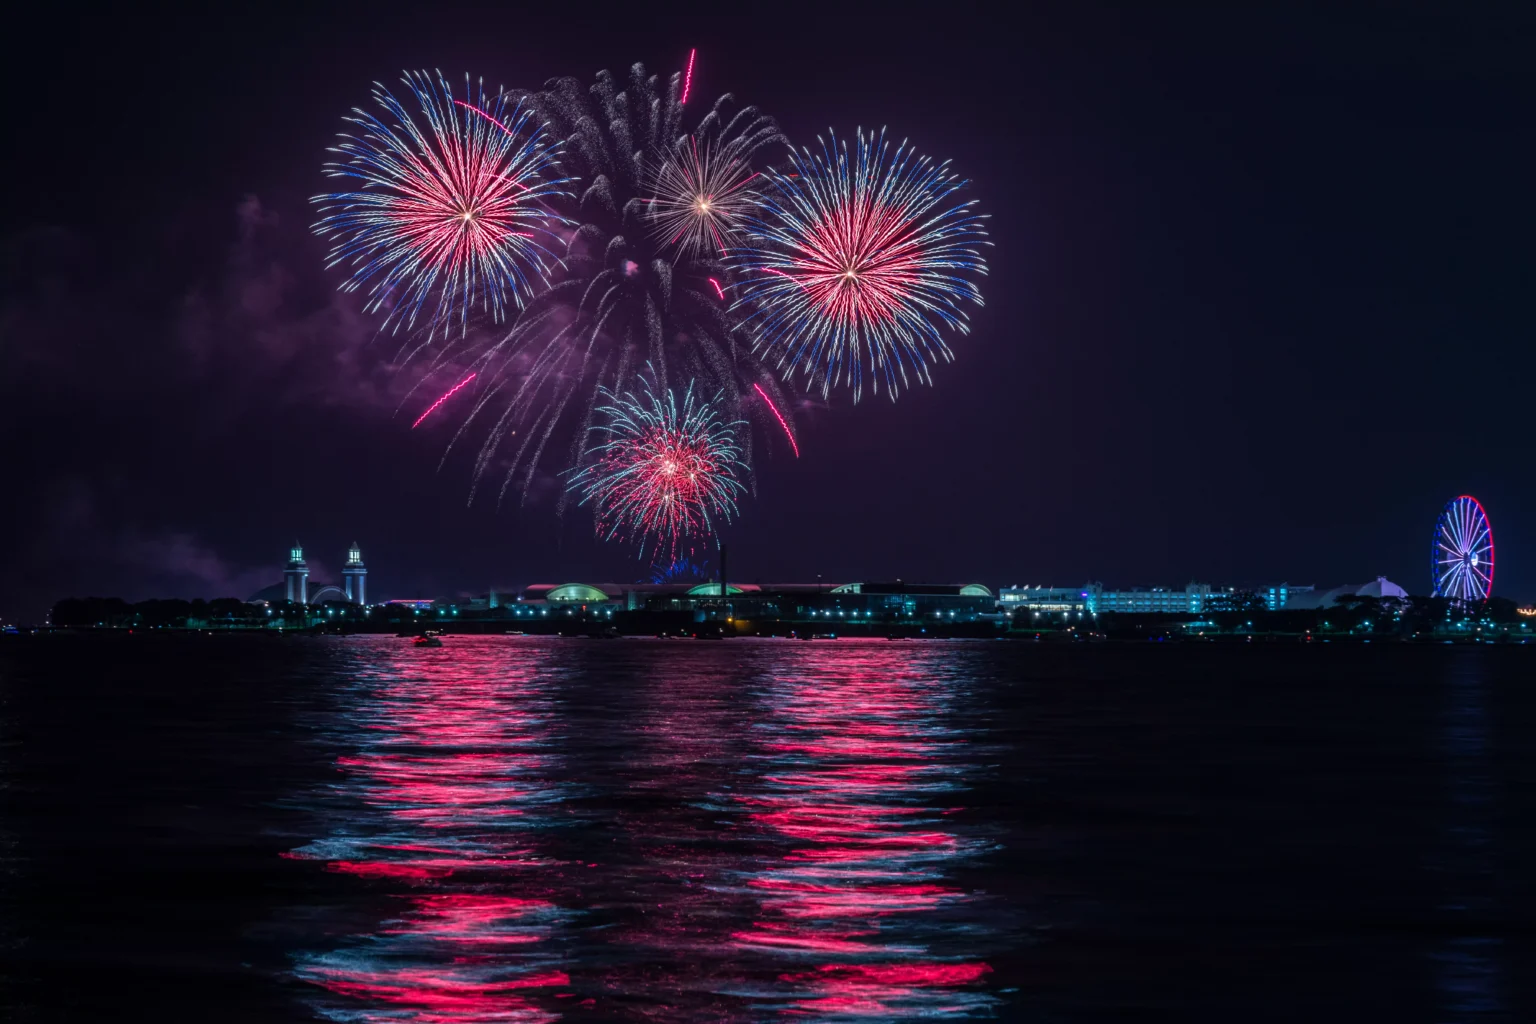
(296, 576)
(354, 575)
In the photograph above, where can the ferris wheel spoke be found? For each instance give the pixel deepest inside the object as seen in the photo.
(1464, 573)
(1450, 572)
(1461, 553)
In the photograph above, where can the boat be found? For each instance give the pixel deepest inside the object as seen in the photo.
(428, 639)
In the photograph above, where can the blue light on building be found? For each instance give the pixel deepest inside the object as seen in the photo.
(1093, 598)
(354, 576)
(296, 576)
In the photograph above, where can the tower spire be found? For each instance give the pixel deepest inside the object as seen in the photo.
(354, 575)
(296, 576)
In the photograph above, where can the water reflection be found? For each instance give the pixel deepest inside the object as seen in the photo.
(440, 806)
(647, 831)
(1468, 966)
(862, 769)
(668, 956)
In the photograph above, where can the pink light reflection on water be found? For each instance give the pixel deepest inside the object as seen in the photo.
(859, 779)
(687, 732)
(440, 800)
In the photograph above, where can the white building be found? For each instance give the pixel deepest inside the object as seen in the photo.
(1092, 597)
(1378, 588)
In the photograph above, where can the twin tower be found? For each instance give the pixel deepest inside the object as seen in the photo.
(353, 576)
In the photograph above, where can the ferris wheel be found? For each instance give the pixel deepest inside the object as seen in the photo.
(1462, 559)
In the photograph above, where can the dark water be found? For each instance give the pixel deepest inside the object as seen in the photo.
(517, 829)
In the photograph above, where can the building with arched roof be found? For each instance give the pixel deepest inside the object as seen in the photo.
(576, 593)
(713, 589)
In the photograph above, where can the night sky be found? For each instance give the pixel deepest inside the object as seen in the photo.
(1260, 301)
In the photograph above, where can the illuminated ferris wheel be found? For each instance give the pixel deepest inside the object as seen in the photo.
(1463, 551)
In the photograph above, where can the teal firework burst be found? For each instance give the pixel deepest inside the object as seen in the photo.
(666, 471)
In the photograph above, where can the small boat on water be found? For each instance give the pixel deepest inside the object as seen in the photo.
(428, 639)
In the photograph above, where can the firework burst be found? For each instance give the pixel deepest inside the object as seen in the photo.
(666, 471)
(700, 198)
(623, 297)
(449, 212)
(857, 263)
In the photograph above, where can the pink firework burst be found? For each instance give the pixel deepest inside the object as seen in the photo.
(666, 472)
(858, 262)
(448, 216)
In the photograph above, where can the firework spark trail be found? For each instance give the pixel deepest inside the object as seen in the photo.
(856, 263)
(667, 471)
(780, 417)
(688, 77)
(433, 407)
(449, 215)
(499, 124)
(718, 290)
(780, 273)
(489, 117)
